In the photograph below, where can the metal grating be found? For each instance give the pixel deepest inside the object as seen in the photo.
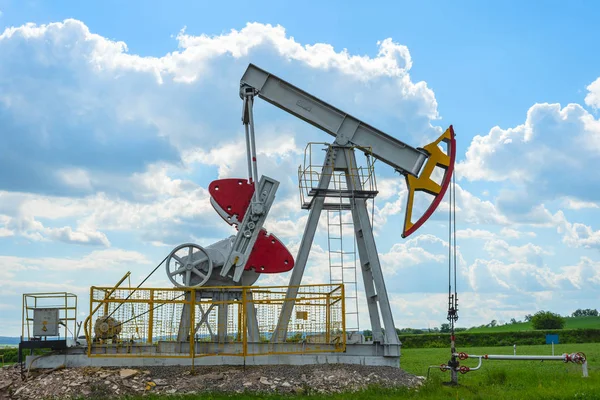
(233, 321)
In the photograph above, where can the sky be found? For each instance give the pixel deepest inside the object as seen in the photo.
(115, 117)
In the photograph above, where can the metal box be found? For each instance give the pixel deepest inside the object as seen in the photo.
(45, 322)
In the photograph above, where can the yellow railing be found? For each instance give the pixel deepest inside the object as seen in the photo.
(225, 321)
(64, 302)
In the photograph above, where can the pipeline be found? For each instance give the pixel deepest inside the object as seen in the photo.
(577, 358)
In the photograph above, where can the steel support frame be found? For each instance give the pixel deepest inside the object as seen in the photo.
(341, 158)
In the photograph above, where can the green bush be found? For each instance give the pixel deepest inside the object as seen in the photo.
(547, 320)
(11, 354)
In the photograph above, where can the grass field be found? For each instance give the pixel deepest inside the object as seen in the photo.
(512, 380)
(570, 323)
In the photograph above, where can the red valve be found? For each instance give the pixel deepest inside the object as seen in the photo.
(462, 356)
(578, 358)
(464, 369)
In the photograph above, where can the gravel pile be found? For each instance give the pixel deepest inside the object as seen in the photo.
(101, 383)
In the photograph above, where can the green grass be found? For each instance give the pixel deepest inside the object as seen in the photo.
(508, 380)
(570, 323)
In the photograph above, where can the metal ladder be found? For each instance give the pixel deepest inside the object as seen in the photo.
(342, 256)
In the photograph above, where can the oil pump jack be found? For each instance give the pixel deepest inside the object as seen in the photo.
(246, 203)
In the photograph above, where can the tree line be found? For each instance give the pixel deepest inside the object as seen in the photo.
(540, 320)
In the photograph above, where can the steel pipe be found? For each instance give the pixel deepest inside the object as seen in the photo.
(578, 358)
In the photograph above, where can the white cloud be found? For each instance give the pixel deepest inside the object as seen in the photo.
(500, 249)
(523, 277)
(98, 260)
(578, 235)
(574, 204)
(392, 59)
(546, 157)
(505, 233)
(410, 253)
(592, 99)
(515, 234)
(470, 233)
(27, 226)
(584, 275)
(67, 235)
(77, 178)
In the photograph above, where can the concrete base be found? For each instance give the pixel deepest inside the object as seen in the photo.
(363, 354)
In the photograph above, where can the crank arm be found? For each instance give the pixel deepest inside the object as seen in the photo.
(250, 227)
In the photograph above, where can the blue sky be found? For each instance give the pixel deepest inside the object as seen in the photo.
(110, 151)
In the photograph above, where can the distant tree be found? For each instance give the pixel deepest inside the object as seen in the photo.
(588, 312)
(445, 328)
(547, 320)
(492, 324)
(513, 321)
(409, 331)
(528, 317)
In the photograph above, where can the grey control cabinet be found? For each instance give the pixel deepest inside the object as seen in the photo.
(45, 322)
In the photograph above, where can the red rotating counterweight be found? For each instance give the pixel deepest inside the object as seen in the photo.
(233, 196)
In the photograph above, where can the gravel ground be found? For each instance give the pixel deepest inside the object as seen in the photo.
(96, 383)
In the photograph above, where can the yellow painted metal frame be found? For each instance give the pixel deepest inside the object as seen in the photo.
(68, 306)
(329, 296)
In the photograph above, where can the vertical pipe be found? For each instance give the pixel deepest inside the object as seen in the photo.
(253, 145)
(328, 319)
(25, 319)
(248, 154)
(452, 309)
(239, 321)
(89, 337)
(192, 341)
(454, 237)
(453, 371)
(193, 299)
(245, 322)
(343, 300)
(150, 331)
(66, 317)
(75, 320)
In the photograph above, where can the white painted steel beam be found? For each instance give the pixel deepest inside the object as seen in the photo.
(344, 127)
